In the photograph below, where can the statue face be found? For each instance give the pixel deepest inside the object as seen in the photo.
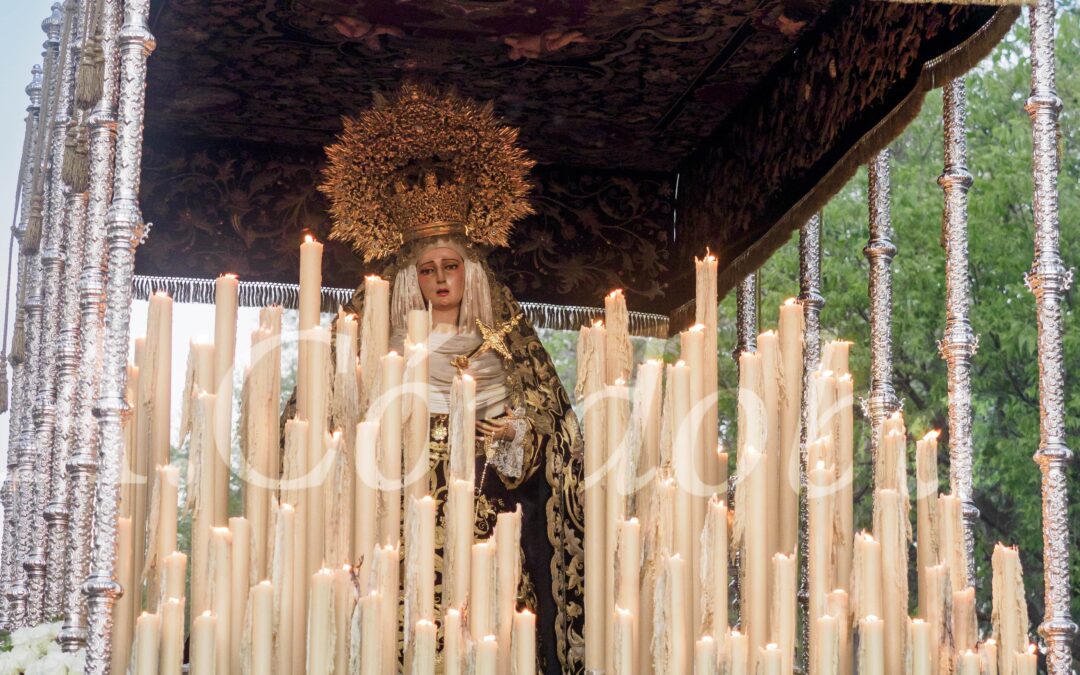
(441, 272)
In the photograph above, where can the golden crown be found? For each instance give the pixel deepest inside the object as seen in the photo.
(422, 164)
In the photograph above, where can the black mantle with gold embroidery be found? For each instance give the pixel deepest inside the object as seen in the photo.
(548, 490)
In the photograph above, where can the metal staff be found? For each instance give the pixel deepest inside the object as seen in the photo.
(1049, 280)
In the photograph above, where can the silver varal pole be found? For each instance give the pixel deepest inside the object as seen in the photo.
(18, 381)
(82, 463)
(1049, 280)
(812, 301)
(745, 316)
(57, 513)
(124, 231)
(26, 594)
(959, 343)
(880, 251)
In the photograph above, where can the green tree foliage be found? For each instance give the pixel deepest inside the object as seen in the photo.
(1005, 373)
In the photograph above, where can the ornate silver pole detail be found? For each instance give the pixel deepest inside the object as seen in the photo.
(124, 231)
(812, 302)
(57, 239)
(746, 324)
(82, 464)
(57, 513)
(27, 593)
(1049, 280)
(959, 343)
(18, 380)
(880, 251)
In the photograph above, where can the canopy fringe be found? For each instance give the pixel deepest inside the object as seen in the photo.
(262, 293)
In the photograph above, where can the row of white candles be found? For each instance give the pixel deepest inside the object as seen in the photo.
(340, 500)
(681, 591)
(683, 581)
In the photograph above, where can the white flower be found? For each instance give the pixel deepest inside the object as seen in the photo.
(16, 661)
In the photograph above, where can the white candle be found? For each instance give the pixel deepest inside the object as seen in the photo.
(284, 581)
(836, 605)
(486, 652)
(617, 489)
(679, 390)
(453, 647)
(418, 435)
(159, 348)
(965, 627)
(755, 605)
(705, 656)
(826, 658)
(926, 495)
(867, 580)
(951, 548)
(320, 654)
(318, 357)
(124, 614)
(790, 331)
(203, 635)
(422, 558)
(623, 643)
(524, 643)
(424, 649)
(845, 474)
(738, 657)
(771, 379)
(591, 345)
(482, 575)
(920, 647)
(933, 609)
(1010, 627)
(374, 334)
(262, 627)
(459, 537)
(147, 635)
(173, 575)
(371, 642)
(784, 597)
(463, 428)
(390, 450)
(221, 599)
(365, 495)
(240, 563)
(225, 307)
(969, 664)
(171, 652)
(164, 530)
(770, 660)
(988, 657)
(201, 501)
(681, 632)
(871, 646)
(344, 604)
(507, 575)
(716, 587)
(310, 301)
(891, 524)
(619, 352)
(705, 306)
(388, 577)
(819, 484)
(627, 580)
(1026, 661)
(692, 353)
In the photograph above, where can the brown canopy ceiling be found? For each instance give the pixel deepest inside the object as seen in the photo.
(752, 110)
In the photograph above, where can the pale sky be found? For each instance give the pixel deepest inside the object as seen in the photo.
(20, 49)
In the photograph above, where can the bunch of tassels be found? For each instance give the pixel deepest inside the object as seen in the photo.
(75, 172)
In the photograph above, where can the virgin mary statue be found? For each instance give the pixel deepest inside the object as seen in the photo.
(427, 183)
